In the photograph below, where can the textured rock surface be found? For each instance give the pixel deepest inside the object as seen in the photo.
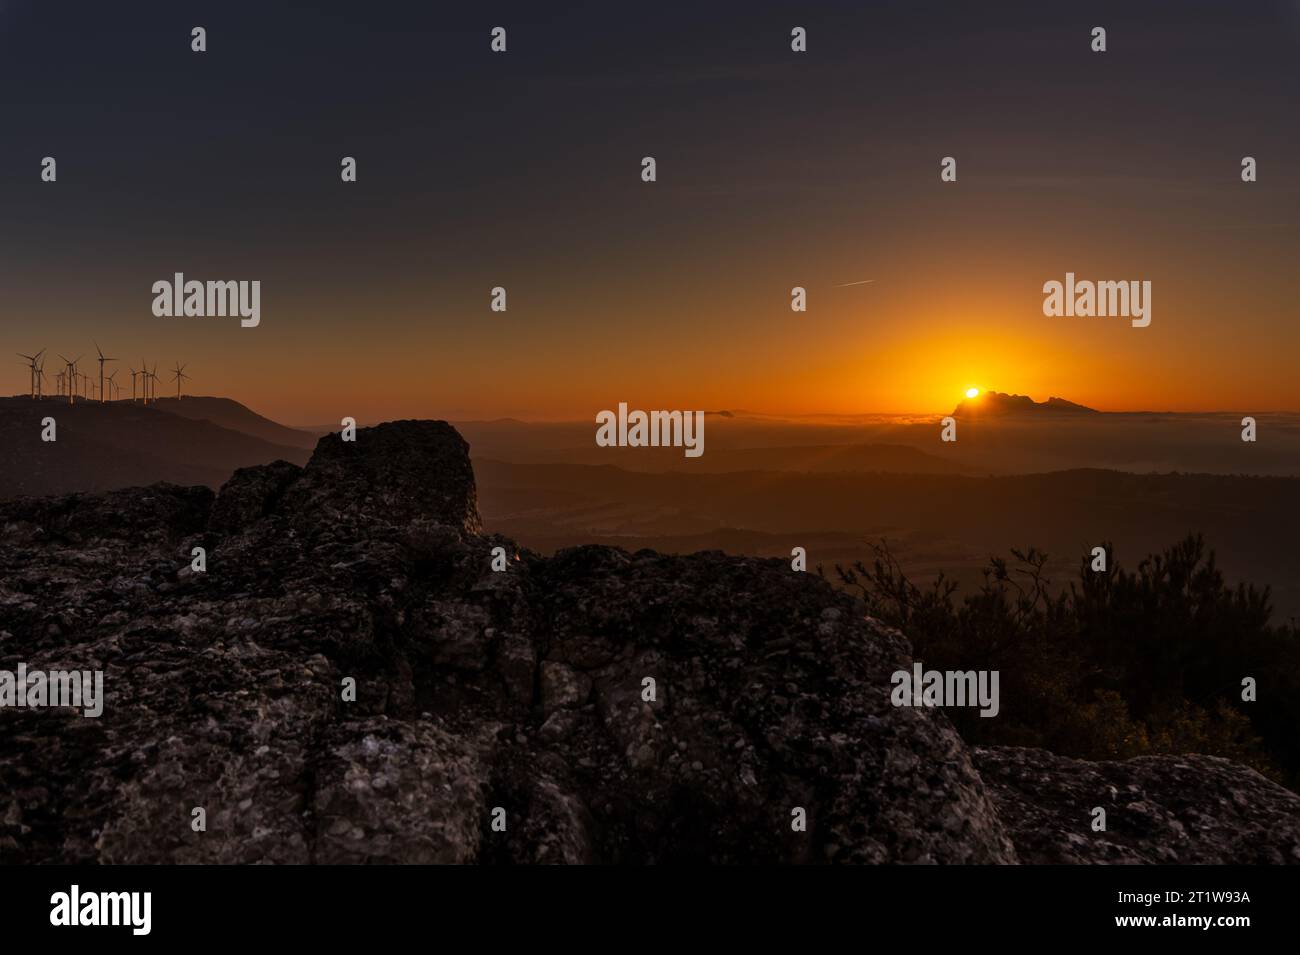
(525, 690)
(1159, 809)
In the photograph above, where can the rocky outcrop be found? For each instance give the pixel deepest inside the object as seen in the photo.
(351, 680)
(1158, 809)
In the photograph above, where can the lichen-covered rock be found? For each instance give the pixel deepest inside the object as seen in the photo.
(397, 472)
(398, 791)
(770, 694)
(1158, 809)
(349, 680)
(251, 494)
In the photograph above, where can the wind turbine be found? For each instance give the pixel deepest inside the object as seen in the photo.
(40, 377)
(102, 359)
(133, 374)
(71, 376)
(178, 376)
(112, 385)
(146, 391)
(153, 381)
(31, 364)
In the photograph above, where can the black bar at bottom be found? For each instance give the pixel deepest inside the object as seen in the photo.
(335, 905)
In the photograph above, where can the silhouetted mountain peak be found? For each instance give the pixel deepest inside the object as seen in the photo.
(997, 403)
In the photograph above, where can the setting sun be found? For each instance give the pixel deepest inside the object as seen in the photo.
(972, 392)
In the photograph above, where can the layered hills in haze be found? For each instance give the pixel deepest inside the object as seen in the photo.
(1052, 474)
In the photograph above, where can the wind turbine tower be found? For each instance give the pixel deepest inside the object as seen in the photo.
(31, 364)
(102, 359)
(178, 376)
(70, 377)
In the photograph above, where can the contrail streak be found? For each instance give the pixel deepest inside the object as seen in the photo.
(847, 284)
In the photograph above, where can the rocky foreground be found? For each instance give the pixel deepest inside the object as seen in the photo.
(505, 716)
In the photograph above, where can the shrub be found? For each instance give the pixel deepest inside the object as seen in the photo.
(1119, 664)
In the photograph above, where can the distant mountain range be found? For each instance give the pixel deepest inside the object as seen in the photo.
(997, 403)
(203, 439)
(119, 444)
(229, 413)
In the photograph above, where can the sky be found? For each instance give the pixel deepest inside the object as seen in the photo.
(775, 169)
